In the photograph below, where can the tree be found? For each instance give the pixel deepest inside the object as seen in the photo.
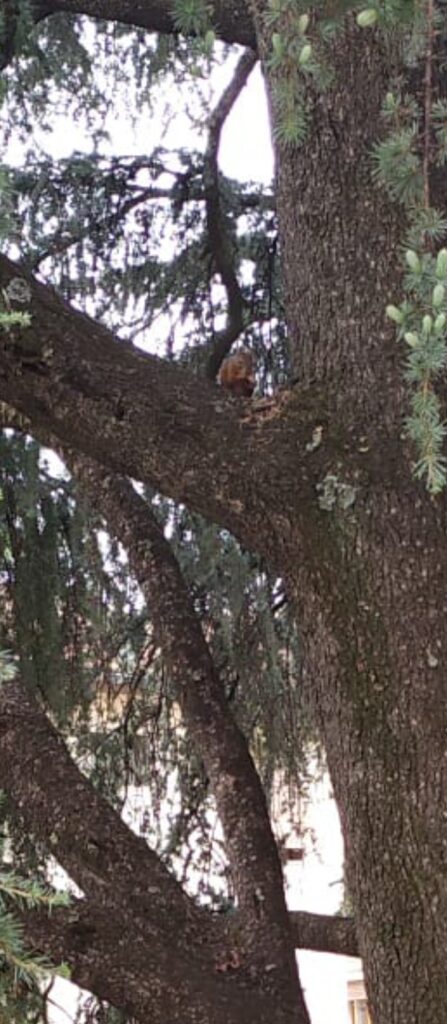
(318, 482)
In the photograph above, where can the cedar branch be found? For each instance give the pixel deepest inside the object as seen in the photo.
(324, 933)
(218, 233)
(234, 781)
(232, 21)
(150, 419)
(79, 827)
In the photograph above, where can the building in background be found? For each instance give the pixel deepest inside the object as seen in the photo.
(333, 985)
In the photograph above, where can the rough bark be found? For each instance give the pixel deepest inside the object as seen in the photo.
(371, 601)
(88, 937)
(263, 926)
(323, 932)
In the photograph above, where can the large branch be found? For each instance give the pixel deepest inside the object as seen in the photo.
(161, 945)
(85, 834)
(108, 959)
(254, 469)
(241, 804)
(86, 937)
(324, 933)
(231, 20)
(151, 419)
(164, 962)
(146, 980)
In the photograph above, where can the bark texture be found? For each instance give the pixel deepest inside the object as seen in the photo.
(371, 599)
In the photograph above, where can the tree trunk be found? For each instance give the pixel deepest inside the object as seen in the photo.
(371, 587)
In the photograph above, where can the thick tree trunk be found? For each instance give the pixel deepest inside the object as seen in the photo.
(371, 593)
(373, 627)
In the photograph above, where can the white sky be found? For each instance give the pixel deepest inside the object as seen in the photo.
(245, 150)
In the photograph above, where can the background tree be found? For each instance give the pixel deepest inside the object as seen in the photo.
(316, 481)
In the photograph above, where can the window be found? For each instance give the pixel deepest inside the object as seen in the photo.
(358, 1006)
(359, 1011)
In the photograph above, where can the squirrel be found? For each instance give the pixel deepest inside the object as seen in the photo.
(237, 373)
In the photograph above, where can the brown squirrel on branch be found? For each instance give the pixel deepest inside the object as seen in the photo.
(237, 373)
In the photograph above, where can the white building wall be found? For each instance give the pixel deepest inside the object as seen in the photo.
(324, 979)
(315, 884)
